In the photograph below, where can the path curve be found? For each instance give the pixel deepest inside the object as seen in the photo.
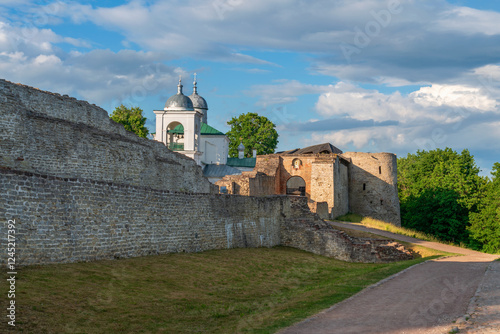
(426, 298)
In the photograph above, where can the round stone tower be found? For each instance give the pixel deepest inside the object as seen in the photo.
(373, 189)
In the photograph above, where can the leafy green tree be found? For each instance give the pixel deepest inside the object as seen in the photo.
(438, 212)
(255, 132)
(132, 119)
(441, 169)
(438, 189)
(485, 224)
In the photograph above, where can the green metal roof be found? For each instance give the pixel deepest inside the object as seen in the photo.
(205, 130)
(245, 162)
(179, 129)
(208, 130)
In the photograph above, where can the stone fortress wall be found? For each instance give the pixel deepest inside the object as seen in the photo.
(58, 135)
(79, 187)
(67, 220)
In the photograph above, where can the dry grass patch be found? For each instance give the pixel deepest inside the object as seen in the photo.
(378, 224)
(416, 250)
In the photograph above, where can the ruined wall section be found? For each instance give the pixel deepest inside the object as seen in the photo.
(261, 181)
(235, 184)
(306, 231)
(320, 208)
(268, 164)
(267, 175)
(373, 188)
(262, 185)
(50, 134)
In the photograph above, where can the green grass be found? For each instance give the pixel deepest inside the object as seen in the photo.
(350, 217)
(225, 291)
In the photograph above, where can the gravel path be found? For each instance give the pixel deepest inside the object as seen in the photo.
(426, 298)
(484, 309)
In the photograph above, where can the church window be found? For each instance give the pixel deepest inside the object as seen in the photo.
(380, 169)
(364, 186)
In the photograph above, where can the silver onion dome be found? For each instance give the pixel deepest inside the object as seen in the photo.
(198, 101)
(179, 100)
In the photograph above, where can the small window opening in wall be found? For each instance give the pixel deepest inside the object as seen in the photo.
(364, 186)
(381, 202)
(380, 169)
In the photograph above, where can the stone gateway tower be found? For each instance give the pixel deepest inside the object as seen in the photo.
(334, 182)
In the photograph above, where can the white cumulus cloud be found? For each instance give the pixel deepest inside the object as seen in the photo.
(454, 96)
(431, 117)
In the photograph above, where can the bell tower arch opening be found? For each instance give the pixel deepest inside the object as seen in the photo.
(175, 136)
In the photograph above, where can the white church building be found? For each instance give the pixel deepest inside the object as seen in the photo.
(182, 126)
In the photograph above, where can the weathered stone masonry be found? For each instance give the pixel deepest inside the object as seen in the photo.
(305, 231)
(67, 220)
(82, 188)
(61, 220)
(50, 134)
(373, 189)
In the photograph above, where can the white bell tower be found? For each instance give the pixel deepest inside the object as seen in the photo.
(178, 125)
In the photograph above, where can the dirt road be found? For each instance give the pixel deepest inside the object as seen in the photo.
(426, 298)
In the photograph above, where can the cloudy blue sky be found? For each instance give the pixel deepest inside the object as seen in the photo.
(364, 75)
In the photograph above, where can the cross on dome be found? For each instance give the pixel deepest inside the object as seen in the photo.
(179, 86)
(195, 89)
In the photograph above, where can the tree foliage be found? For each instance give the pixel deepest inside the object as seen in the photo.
(485, 224)
(438, 190)
(444, 169)
(255, 132)
(132, 119)
(436, 211)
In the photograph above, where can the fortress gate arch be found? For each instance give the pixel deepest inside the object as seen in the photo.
(296, 186)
